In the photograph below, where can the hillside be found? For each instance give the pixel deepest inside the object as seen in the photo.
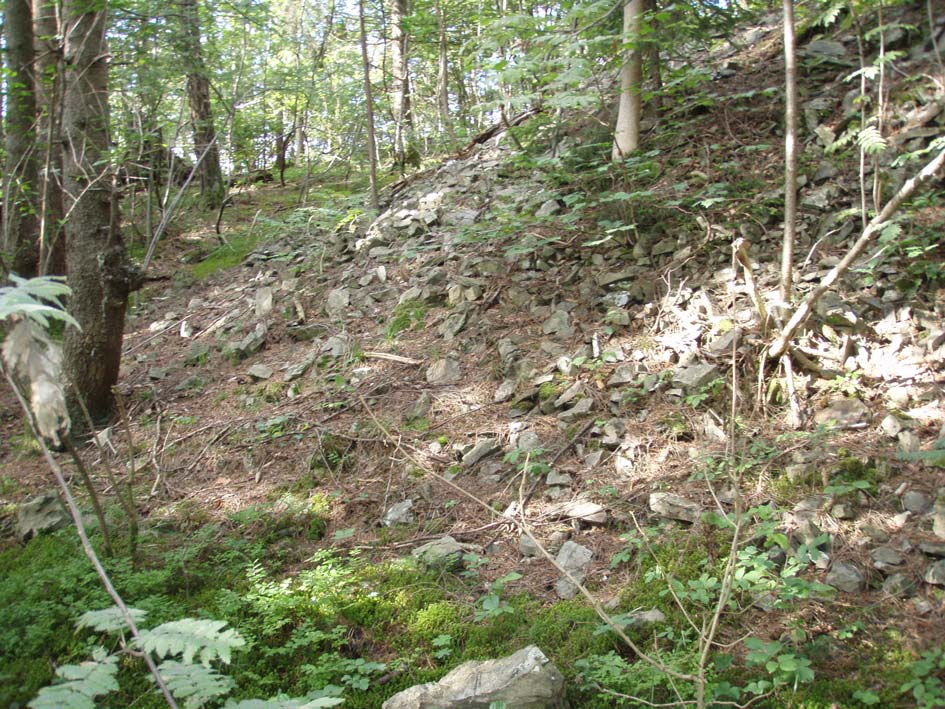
(538, 353)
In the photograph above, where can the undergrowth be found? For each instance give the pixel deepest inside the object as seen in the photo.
(319, 619)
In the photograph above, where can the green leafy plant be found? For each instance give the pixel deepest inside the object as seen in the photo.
(926, 684)
(185, 647)
(491, 605)
(706, 392)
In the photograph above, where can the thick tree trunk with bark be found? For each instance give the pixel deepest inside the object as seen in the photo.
(99, 273)
(201, 112)
(48, 83)
(20, 173)
(627, 132)
(400, 86)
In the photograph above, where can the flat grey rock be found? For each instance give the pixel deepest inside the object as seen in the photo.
(843, 413)
(528, 441)
(846, 577)
(585, 511)
(933, 549)
(485, 447)
(672, 506)
(260, 371)
(558, 323)
(574, 558)
(935, 574)
(444, 553)
(453, 325)
(43, 513)
(504, 392)
(528, 548)
(610, 277)
(916, 502)
(560, 479)
(526, 679)
(401, 513)
(884, 558)
(443, 371)
(548, 208)
(336, 305)
(623, 375)
(899, 585)
(263, 301)
(297, 370)
(695, 376)
(578, 411)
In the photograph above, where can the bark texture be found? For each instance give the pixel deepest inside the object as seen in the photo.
(99, 273)
(627, 132)
(201, 113)
(790, 154)
(400, 85)
(48, 83)
(20, 173)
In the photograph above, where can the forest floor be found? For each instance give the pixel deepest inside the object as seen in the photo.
(309, 392)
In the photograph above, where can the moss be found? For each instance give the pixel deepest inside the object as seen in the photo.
(438, 618)
(549, 390)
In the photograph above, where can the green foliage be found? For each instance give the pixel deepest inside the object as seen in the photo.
(81, 684)
(926, 684)
(191, 639)
(195, 684)
(935, 456)
(491, 605)
(707, 392)
(782, 665)
(408, 315)
(109, 620)
(38, 299)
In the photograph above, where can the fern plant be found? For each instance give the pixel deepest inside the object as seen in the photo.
(185, 648)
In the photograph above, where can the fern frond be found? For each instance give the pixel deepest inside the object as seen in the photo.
(871, 141)
(845, 139)
(935, 456)
(108, 620)
(195, 684)
(190, 638)
(829, 16)
(310, 701)
(83, 683)
(890, 232)
(25, 298)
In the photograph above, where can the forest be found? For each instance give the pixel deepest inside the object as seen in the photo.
(451, 353)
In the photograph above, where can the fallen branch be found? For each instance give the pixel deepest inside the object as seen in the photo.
(392, 357)
(806, 307)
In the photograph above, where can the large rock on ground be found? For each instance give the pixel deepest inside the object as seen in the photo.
(43, 513)
(526, 679)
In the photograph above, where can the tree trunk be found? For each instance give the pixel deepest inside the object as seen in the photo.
(99, 274)
(20, 174)
(400, 86)
(48, 83)
(790, 154)
(201, 112)
(369, 109)
(655, 104)
(627, 132)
